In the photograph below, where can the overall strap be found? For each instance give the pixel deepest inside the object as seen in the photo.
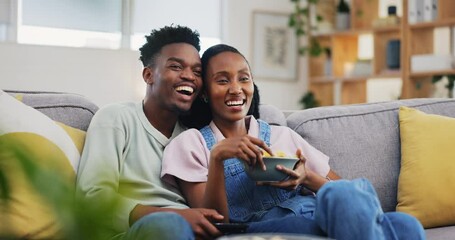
(209, 136)
(264, 131)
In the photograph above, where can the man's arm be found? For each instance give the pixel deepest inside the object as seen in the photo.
(98, 174)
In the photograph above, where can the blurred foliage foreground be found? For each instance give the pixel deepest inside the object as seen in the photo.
(21, 169)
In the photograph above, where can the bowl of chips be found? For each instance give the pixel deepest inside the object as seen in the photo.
(271, 174)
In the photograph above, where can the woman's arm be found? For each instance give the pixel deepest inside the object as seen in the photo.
(332, 175)
(212, 194)
(314, 181)
(215, 193)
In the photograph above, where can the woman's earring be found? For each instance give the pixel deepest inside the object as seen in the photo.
(205, 99)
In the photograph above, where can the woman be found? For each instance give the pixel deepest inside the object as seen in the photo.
(207, 166)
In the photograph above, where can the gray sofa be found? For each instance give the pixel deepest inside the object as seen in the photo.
(362, 140)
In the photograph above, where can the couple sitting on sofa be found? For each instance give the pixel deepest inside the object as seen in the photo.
(125, 156)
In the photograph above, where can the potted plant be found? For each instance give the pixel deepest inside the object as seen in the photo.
(450, 85)
(299, 20)
(309, 101)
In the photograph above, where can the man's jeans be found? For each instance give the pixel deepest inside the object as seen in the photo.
(343, 210)
(161, 225)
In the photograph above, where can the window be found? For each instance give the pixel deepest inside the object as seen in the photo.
(4, 19)
(98, 23)
(201, 15)
(76, 23)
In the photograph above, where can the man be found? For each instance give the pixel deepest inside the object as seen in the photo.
(125, 142)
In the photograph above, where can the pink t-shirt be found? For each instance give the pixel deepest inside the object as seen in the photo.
(187, 156)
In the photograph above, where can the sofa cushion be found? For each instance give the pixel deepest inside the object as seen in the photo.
(440, 233)
(363, 140)
(32, 144)
(426, 180)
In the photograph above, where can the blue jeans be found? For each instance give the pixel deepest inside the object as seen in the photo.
(161, 225)
(343, 210)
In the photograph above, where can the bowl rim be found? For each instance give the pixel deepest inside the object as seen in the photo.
(285, 176)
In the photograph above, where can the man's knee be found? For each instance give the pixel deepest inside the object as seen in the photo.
(165, 225)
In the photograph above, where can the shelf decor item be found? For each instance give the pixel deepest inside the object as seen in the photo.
(343, 17)
(415, 11)
(392, 19)
(393, 54)
(430, 10)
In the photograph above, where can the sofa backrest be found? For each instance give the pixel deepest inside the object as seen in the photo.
(77, 111)
(272, 115)
(71, 109)
(364, 140)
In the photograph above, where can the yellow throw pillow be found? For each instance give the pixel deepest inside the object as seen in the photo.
(54, 152)
(26, 213)
(427, 179)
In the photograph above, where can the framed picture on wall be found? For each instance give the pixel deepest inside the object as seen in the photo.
(274, 46)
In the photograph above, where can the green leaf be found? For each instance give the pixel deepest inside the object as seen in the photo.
(304, 11)
(300, 32)
(4, 186)
(418, 85)
(309, 100)
(303, 50)
(291, 22)
(436, 78)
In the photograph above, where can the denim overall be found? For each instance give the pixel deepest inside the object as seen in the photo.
(347, 209)
(250, 203)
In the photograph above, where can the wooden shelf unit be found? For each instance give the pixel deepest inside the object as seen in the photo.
(419, 39)
(336, 87)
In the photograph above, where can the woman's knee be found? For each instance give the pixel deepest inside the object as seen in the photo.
(349, 191)
(405, 226)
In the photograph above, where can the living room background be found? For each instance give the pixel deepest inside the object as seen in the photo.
(108, 70)
(111, 75)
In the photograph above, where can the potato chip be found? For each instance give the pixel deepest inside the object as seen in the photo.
(265, 154)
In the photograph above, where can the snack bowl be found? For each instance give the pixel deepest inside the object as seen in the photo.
(271, 174)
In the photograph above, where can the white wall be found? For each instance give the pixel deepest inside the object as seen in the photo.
(237, 28)
(104, 76)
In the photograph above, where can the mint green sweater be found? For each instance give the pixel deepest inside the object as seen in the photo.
(122, 158)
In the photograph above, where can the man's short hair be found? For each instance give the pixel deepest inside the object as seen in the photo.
(159, 38)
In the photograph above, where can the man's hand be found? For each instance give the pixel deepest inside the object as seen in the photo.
(201, 220)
